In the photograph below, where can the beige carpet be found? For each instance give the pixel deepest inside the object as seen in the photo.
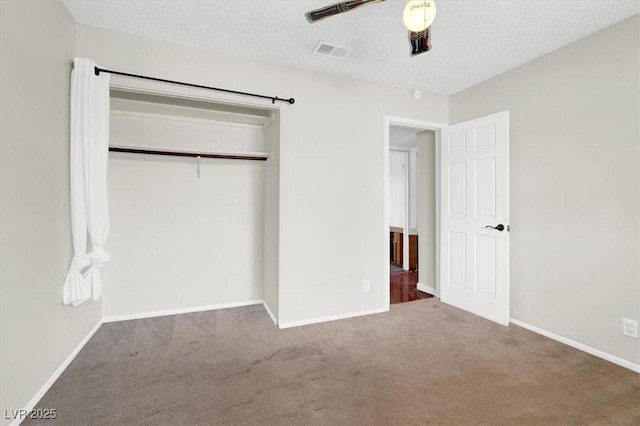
(422, 363)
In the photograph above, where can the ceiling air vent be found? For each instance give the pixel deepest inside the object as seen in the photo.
(326, 49)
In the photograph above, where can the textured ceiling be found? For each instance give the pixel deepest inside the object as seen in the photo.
(472, 40)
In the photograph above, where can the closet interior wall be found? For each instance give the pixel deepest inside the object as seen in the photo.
(187, 233)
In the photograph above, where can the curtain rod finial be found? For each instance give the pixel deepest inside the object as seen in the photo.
(96, 70)
(292, 101)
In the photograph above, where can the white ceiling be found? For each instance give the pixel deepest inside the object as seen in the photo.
(472, 40)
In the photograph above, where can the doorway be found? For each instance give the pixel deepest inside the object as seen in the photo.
(471, 213)
(403, 227)
(411, 208)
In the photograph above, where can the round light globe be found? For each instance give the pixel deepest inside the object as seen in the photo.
(418, 15)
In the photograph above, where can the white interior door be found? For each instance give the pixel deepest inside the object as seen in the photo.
(474, 185)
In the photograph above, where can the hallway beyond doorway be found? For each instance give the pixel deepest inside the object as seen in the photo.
(403, 286)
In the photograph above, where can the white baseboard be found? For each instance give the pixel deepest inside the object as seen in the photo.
(588, 349)
(56, 374)
(273, 317)
(331, 318)
(141, 315)
(427, 289)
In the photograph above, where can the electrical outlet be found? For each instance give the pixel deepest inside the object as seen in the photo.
(366, 285)
(630, 327)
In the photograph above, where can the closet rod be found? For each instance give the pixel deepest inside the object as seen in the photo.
(187, 154)
(98, 70)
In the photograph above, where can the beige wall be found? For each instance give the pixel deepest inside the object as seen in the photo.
(574, 185)
(332, 232)
(427, 208)
(398, 171)
(38, 332)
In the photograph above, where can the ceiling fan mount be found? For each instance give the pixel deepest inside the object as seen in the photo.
(418, 16)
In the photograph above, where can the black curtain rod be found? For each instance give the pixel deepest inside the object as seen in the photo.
(187, 154)
(162, 80)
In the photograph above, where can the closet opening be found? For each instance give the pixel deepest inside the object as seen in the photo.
(193, 200)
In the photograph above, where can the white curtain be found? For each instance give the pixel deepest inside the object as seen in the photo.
(89, 150)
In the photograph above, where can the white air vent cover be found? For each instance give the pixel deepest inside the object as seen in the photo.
(325, 49)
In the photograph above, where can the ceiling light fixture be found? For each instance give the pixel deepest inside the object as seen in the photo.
(418, 15)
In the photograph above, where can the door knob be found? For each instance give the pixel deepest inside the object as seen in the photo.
(500, 227)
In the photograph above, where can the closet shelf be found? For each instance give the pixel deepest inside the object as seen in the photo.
(252, 156)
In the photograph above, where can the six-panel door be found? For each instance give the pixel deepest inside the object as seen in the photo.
(474, 259)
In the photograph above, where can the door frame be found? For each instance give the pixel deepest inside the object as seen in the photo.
(418, 125)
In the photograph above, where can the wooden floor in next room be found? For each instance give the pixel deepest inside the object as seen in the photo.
(404, 286)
